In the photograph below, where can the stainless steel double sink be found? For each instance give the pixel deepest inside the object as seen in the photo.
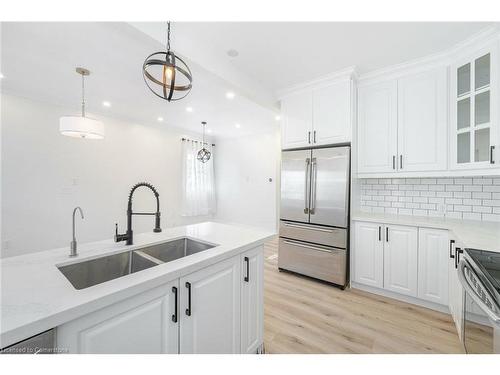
(99, 270)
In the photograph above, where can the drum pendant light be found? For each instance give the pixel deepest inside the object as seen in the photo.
(81, 126)
(203, 154)
(166, 74)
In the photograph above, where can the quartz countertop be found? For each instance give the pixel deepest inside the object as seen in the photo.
(481, 235)
(36, 296)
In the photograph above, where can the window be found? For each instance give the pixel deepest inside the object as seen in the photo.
(198, 185)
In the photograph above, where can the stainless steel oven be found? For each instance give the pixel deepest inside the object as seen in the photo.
(479, 274)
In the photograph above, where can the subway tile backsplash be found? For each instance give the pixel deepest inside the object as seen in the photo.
(471, 198)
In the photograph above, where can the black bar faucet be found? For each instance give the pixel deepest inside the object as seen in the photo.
(128, 236)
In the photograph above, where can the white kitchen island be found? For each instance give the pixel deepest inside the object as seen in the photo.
(207, 302)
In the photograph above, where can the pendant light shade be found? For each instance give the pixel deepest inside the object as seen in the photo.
(203, 155)
(81, 126)
(166, 74)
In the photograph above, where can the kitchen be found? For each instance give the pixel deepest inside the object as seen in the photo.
(157, 198)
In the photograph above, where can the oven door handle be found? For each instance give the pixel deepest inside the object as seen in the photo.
(472, 293)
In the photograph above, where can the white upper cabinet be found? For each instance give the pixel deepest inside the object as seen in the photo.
(296, 130)
(332, 114)
(377, 128)
(422, 121)
(400, 259)
(474, 133)
(317, 115)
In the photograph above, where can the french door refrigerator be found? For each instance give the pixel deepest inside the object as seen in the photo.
(314, 215)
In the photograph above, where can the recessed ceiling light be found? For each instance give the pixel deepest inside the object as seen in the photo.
(232, 53)
(189, 109)
(237, 126)
(160, 119)
(230, 95)
(1, 75)
(209, 131)
(106, 104)
(277, 118)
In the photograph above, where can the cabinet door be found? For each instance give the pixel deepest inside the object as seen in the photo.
(141, 324)
(455, 292)
(296, 129)
(332, 114)
(474, 125)
(252, 300)
(210, 309)
(377, 128)
(368, 254)
(422, 121)
(433, 254)
(400, 259)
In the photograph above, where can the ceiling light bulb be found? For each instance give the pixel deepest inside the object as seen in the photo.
(189, 109)
(230, 95)
(209, 131)
(237, 126)
(277, 118)
(160, 119)
(106, 104)
(169, 72)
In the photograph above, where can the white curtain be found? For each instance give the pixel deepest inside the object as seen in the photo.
(198, 185)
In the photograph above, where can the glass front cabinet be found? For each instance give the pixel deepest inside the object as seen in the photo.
(474, 111)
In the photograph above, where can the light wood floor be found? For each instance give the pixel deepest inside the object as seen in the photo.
(306, 316)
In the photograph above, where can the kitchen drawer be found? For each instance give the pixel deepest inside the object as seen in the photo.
(314, 233)
(322, 262)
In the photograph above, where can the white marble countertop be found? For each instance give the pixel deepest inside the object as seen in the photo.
(35, 295)
(469, 233)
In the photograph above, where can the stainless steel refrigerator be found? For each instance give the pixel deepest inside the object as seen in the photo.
(314, 215)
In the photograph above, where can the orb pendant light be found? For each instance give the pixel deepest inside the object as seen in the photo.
(81, 126)
(203, 154)
(166, 74)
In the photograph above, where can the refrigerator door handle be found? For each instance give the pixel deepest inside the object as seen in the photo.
(306, 197)
(313, 186)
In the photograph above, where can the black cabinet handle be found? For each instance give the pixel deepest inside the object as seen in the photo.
(314, 136)
(458, 251)
(401, 161)
(247, 277)
(451, 249)
(492, 161)
(386, 234)
(308, 137)
(379, 233)
(393, 161)
(188, 310)
(174, 316)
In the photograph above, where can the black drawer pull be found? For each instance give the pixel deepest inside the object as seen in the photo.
(451, 249)
(174, 316)
(247, 277)
(386, 234)
(379, 233)
(188, 310)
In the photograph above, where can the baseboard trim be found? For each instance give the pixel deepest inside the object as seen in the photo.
(403, 298)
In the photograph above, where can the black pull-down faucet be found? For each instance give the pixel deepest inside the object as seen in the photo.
(128, 236)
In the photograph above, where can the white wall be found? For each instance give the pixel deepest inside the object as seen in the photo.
(243, 167)
(45, 175)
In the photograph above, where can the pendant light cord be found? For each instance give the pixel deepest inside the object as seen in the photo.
(83, 95)
(168, 36)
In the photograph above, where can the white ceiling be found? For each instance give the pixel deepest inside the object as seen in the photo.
(38, 61)
(281, 54)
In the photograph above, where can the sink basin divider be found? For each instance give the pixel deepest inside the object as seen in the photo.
(148, 257)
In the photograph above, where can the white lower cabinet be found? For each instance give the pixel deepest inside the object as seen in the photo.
(400, 259)
(141, 324)
(455, 290)
(433, 265)
(252, 300)
(219, 310)
(368, 254)
(210, 309)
